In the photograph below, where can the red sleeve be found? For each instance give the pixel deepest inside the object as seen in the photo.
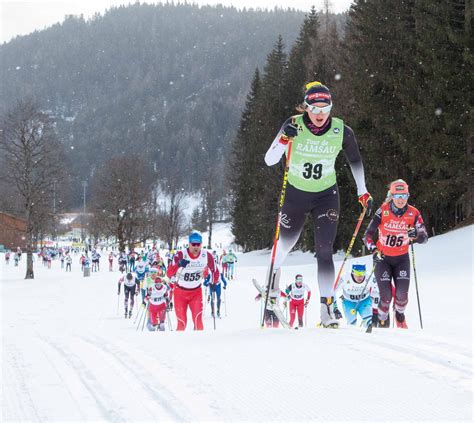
(372, 229)
(213, 270)
(173, 267)
(309, 296)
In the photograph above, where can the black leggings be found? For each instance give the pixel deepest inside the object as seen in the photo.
(129, 291)
(398, 269)
(324, 207)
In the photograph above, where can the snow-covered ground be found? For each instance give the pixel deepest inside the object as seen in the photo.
(67, 355)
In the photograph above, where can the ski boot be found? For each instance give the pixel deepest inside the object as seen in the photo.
(161, 327)
(126, 313)
(328, 320)
(369, 328)
(151, 327)
(400, 320)
(375, 319)
(130, 314)
(218, 314)
(384, 323)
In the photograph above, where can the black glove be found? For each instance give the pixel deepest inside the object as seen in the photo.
(378, 256)
(337, 314)
(183, 263)
(412, 233)
(171, 305)
(290, 130)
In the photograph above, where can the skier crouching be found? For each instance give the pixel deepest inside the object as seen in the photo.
(157, 297)
(356, 296)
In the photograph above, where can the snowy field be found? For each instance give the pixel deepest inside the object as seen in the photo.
(67, 355)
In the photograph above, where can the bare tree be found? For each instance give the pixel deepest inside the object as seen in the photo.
(172, 222)
(121, 197)
(31, 163)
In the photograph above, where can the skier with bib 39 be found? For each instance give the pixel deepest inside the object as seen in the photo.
(397, 225)
(317, 139)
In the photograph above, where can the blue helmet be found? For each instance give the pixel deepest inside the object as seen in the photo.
(195, 237)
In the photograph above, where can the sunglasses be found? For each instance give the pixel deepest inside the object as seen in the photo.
(316, 109)
(404, 196)
(195, 244)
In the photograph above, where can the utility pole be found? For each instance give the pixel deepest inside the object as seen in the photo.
(84, 184)
(54, 210)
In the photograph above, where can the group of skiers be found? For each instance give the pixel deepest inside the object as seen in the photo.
(311, 142)
(178, 287)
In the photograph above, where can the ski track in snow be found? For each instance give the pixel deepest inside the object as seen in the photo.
(68, 356)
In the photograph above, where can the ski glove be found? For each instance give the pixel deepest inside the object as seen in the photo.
(378, 256)
(290, 130)
(367, 201)
(337, 314)
(412, 233)
(183, 263)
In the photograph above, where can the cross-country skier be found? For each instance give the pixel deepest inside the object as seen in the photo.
(68, 262)
(397, 225)
(95, 261)
(296, 295)
(269, 316)
(122, 261)
(312, 187)
(215, 291)
(157, 296)
(230, 259)
(355, 296)
(130, 289)
(141, 270)
(7, 258)
(189, 265)
(111, 261)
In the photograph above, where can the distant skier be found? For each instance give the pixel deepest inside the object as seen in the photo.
(397, 225)
(231, 259)
(62, 261)
(296, 295)
(130, 289)
(131, 260)
(95, 261)
(16, 259)
(215, 291)
(7, 258)
(312, 187)
(158, 298)
(189, 265)
(141, 270)
(122, 262)
(68, 260)
(355, 296)
(111, 261)
(223, 262)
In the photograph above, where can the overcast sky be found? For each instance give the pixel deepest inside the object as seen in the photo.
(19, 17)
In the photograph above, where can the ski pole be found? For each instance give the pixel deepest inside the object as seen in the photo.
(306, 315)
(213, 309)
(146, 316)
(225, 304)
(351, 244)
(139, 313)
(141, 316)
(277, 229)
(170, 327)
(118, 301)
(416, 283)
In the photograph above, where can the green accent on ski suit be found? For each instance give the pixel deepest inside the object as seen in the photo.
(313, 156)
